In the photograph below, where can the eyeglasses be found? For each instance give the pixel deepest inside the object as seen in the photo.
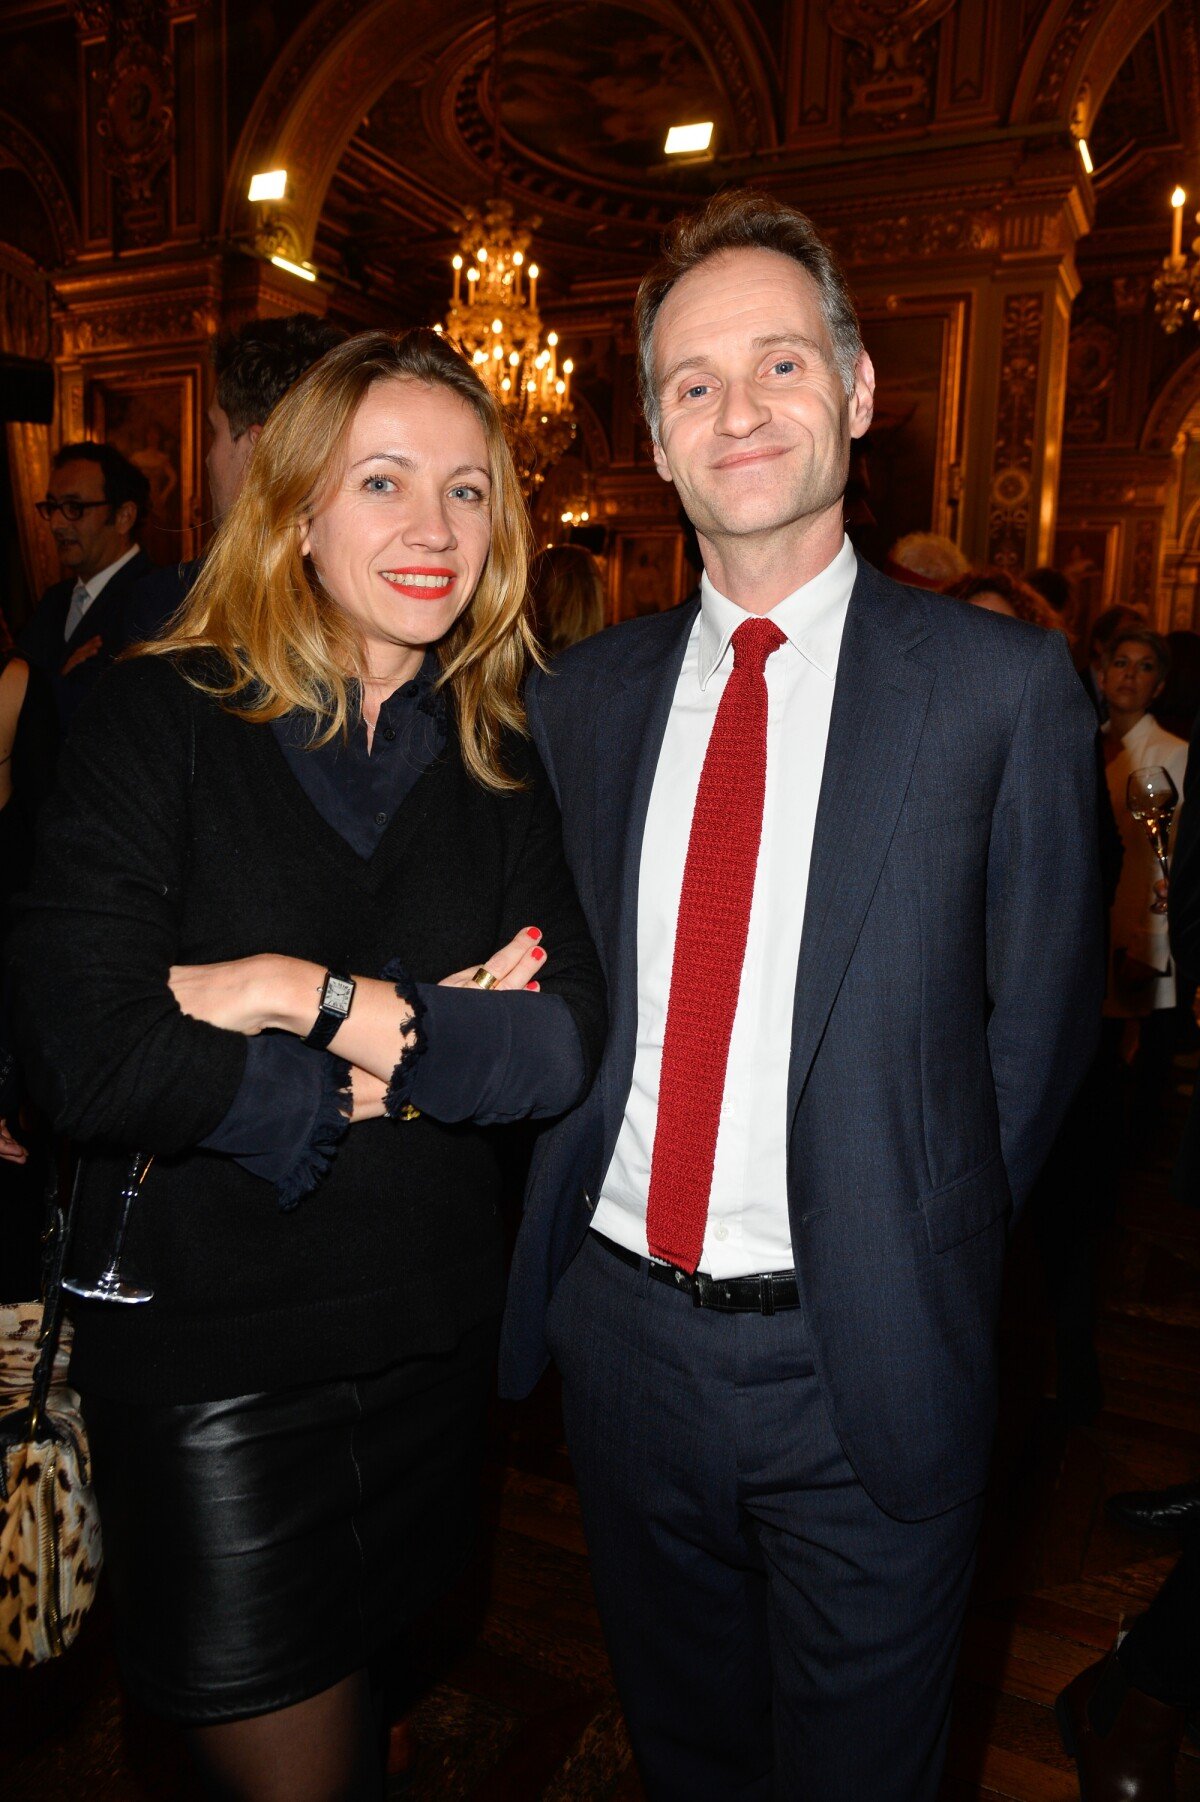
(71, 510)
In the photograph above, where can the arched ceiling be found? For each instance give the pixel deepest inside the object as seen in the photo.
(587, 93)
(384, 115)
(1145, 133)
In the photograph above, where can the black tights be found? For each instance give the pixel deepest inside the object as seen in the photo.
(325, 1749)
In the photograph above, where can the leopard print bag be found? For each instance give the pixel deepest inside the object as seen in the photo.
(50, 1551)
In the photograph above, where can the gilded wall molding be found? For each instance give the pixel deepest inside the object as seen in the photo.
(1077, 45)
(891, 65)
(1173, 406)
(1016, 423)
(944, 232)
(86, 329)
(1048, 99)
(19, 149)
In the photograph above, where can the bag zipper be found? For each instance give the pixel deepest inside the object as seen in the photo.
(49, 1549)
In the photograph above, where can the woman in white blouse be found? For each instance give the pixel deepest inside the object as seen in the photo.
(1141, 976)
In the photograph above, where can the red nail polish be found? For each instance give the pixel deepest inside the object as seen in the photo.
(539, 954)
(533, 985)
(533, 932)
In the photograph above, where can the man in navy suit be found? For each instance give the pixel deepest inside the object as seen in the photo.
(96, 502)
(835, 839)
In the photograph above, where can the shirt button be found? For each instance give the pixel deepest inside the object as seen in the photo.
(389, 732)
(720, 1231)
(381, 819)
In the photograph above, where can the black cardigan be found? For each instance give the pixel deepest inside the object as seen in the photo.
(179, 835)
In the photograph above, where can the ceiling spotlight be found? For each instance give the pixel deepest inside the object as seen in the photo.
(270, 185)
(684, 140)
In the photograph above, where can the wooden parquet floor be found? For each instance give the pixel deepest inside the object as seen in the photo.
(515, 1701)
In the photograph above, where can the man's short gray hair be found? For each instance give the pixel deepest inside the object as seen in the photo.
(742, 219)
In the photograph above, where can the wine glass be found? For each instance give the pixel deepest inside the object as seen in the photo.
(116, 1282)
(1151, 797)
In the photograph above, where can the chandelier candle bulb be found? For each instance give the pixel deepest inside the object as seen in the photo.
(1177, 200)
(456, 265)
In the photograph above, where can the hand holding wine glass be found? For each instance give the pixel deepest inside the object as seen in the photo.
(1152, 797)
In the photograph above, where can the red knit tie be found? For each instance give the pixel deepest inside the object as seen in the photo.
(710, 945)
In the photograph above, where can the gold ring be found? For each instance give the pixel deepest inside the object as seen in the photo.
(483, 978)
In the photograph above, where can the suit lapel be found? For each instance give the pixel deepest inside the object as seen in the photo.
(109, 604)
(879, 708)
(630, 723)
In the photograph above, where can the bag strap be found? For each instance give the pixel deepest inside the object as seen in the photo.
(60, 1223)
(33, 1422)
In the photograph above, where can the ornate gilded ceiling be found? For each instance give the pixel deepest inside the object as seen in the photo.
(588, 90)
(587, 94)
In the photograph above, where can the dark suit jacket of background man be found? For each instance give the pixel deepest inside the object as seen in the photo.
(158, 597)
(41, 642)
(928, 1075)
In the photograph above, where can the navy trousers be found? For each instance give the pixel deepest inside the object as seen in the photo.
(773, 1634)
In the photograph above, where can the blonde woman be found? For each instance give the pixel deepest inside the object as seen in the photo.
(566, 594)
(274, 838)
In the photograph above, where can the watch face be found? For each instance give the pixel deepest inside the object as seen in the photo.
(338, 995)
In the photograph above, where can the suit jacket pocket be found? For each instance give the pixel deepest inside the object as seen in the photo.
(967, 1206)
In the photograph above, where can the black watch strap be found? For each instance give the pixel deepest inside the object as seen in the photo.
(337, 994)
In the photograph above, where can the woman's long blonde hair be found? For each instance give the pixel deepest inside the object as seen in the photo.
(258, 602)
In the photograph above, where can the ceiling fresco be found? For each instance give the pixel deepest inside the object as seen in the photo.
(618, 79)
(587, 95)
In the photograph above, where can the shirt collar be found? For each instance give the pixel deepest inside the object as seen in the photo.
(811, 618)
(1142, 730)
(419, 688)
(103, 576)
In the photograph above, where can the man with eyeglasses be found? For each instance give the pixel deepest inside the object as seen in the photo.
(96, 502)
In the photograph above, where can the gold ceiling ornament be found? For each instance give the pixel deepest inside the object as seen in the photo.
(1177, 284)
(494, 320)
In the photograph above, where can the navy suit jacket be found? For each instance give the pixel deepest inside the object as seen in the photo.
(41, 642)
(947, 999)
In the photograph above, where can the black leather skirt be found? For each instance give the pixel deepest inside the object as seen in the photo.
(262, 1548)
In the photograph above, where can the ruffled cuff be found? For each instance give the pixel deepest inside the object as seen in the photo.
(330, 1124)
(404, 1071)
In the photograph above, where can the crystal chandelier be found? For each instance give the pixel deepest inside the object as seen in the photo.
(495, 322)
(1177, 284)
(494, 319)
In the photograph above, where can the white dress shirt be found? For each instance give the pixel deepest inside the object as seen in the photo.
(748, 1229)
(1133, 929)
(84, 593)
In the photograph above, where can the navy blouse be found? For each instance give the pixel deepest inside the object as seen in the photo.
(286, 1117)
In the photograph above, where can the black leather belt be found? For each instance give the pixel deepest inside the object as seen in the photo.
(770, 1293)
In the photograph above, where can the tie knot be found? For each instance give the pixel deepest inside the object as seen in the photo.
(753, 643)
